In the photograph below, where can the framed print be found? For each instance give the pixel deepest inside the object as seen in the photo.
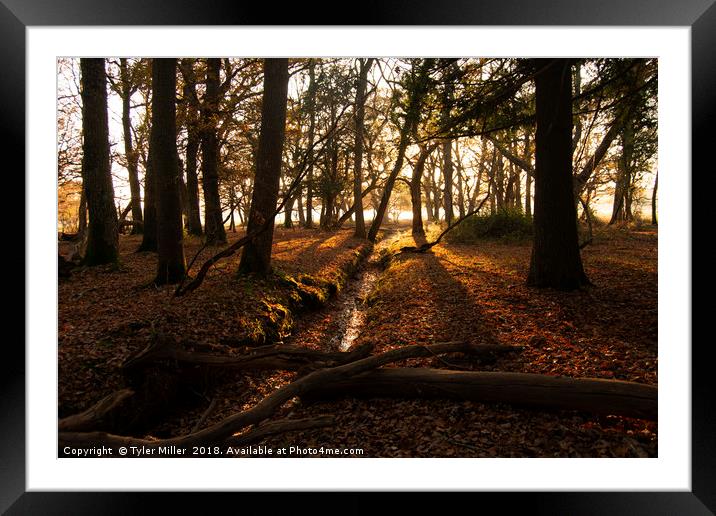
(44, 43)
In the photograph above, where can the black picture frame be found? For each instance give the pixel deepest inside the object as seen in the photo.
(700, 15)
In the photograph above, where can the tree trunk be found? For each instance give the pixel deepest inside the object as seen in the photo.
(149, 238)
(447, 177)
(365, 66)
(213, 218)
(653, 199)
(330, 180)
(192, 148)
(447, 165)
(492, 183)
(516, 180)
(82, 215)
(415, 197)
(102, 234)
(171, 266)
(621, 210)
(256, 256)
(460, 182)
(129, 153)
(427, 187)
(434, 190)
(288, 213)
(608, 397)
(183, 196)
(577, 90)
(500, 183)
(555, 260)
(311, 107)
(528, 179)
(301, 213)
(618, 202)
(309, 198)
(510, 188)
(478, 182)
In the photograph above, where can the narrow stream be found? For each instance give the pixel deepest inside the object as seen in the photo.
(351, 305)
(337, 326)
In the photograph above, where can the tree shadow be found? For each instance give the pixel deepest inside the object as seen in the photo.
(324, 250)
(420, 302)
(462, 318)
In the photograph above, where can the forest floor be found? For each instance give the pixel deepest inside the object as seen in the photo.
(108, 314)
(455, 292)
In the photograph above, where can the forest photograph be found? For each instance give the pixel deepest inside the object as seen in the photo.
(359, 257)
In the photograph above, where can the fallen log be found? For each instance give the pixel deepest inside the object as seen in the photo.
(274, 357)
(158, 372)
(224, 429)
(608, 397)
(101, 415)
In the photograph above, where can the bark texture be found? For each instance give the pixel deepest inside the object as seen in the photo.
(365, 66)
(213, 219)
(128, 87)
(608, 397)
(555, 260)
(256, 256)
(171, 266)
(102, 232)
(193, 142)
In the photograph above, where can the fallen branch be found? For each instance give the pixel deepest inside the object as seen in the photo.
(222, 430)
(123, 215)
(205, 415)
(279, 427)
(609, 397)
(287, 358)
(423, 248)
(99, 415)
